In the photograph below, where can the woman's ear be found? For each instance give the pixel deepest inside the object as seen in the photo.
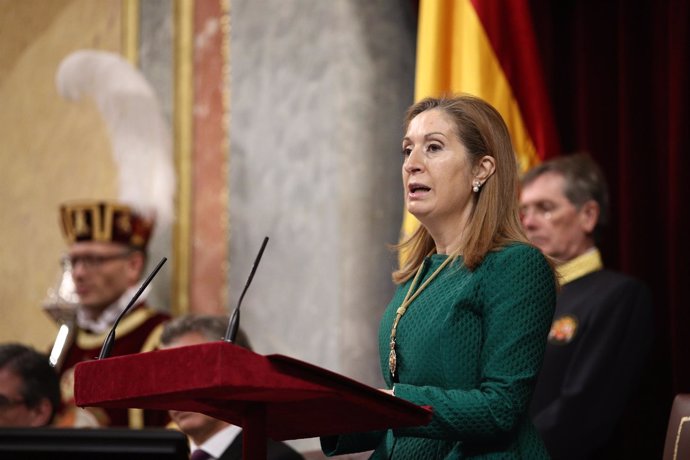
(484, 168)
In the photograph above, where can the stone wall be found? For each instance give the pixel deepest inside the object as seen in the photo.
(318, 92)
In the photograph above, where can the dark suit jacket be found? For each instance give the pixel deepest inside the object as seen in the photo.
(599, 341)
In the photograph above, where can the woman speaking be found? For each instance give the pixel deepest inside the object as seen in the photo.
(466, 329)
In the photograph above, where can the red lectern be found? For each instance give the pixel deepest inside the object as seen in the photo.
(272, 395)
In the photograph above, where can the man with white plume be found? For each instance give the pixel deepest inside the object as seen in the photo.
(110, 241)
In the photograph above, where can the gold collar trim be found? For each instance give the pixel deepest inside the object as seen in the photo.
(580, 266)
(129, 323)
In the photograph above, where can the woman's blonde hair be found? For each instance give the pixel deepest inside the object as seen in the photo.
(494, 221)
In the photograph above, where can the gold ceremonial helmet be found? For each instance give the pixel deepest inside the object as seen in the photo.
(107, 221)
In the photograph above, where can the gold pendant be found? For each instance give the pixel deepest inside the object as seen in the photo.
(392, 360)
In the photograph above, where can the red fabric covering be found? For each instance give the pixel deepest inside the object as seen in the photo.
(225, 381)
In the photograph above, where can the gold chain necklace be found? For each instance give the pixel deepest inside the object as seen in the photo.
(409, 297)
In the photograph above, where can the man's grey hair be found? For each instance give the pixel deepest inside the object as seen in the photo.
(212, 327)
(584, 181)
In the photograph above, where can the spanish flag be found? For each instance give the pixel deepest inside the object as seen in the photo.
(487, 48)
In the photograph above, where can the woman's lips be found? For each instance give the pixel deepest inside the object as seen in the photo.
(417, 190)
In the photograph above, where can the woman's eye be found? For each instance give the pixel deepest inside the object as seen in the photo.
(433, 147)
(406, 151)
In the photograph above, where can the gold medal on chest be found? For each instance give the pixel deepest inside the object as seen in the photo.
(409, 297)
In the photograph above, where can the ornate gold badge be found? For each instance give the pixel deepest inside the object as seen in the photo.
(563, 330)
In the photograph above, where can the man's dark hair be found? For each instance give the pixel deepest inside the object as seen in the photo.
(39, 379)
(210, 326)
(584, 181)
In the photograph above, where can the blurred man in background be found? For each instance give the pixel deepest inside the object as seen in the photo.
(602, 330)
(29, 387)
(106, 255)
(211, 438)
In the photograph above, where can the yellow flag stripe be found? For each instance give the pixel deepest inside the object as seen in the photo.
(454, 55)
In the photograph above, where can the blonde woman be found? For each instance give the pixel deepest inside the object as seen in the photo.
(466, 329)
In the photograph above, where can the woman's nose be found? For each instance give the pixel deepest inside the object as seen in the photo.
(413, 162)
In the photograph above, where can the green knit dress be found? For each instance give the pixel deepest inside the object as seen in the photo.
(470, 346)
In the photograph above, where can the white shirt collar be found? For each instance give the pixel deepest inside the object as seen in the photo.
(219, 442)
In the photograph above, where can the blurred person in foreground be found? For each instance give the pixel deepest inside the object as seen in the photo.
(29, 387)
(603, 327)
(106, 256)
(466, 329)
(209, 437)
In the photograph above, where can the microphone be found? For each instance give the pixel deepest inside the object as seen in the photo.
(234, 323)
(110, 339)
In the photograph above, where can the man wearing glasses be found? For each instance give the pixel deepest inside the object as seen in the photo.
(29, 388)
(107, 256)
(603, 324)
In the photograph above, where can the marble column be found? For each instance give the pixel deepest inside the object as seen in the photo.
(318, 92)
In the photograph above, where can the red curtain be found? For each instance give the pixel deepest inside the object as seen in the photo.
(618, 78)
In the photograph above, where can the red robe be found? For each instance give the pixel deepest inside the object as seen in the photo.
(138, 331)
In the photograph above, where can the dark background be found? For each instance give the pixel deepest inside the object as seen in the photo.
(617, 77)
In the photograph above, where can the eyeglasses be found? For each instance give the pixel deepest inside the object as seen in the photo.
(91, 260)
(6, 402)
(542, 210)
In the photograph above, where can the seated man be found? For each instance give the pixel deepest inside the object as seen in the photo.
(603, 324)
(211, 438)
(29, 387)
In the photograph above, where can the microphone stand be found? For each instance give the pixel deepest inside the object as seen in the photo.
(234, 323)
(110, 339)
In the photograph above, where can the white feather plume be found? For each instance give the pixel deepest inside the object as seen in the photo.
(139, 135)
(140, 139)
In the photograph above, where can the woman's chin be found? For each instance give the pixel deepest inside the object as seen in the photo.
(419, 213)
(416, 208)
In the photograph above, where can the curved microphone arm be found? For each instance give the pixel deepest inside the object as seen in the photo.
(234, 323)
(110, 339)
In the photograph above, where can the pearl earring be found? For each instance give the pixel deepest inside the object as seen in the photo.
(475, 186)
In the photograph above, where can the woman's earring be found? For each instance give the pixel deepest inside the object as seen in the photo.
(475, 186)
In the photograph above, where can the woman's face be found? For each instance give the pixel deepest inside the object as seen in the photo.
(437, 174)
